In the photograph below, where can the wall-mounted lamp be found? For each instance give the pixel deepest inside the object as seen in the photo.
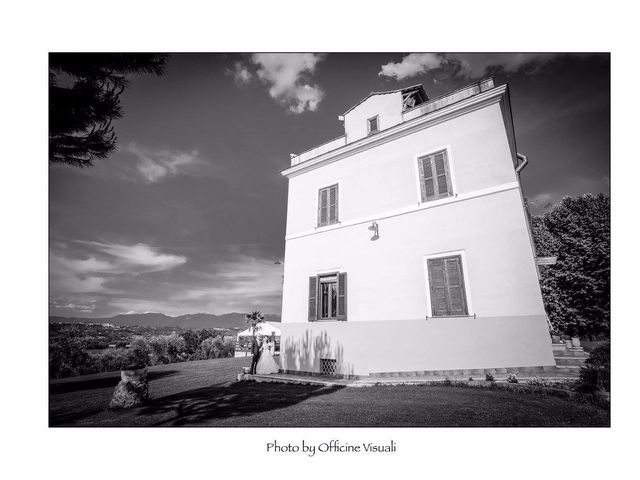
(374, 228)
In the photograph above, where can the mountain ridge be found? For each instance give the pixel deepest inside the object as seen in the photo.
(233, 320)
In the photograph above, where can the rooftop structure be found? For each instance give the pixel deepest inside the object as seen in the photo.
(398, 107)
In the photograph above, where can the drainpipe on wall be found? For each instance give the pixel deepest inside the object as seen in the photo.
(519, 168)
(524, 163)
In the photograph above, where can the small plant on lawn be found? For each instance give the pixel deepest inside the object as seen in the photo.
(489, 377)
(538, 382)
(513, 378)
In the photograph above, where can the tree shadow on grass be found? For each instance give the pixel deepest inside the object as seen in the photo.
(234, 400)
(69, 419)
(71, 385)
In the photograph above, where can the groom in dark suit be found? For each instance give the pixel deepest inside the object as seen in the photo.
(255, 351)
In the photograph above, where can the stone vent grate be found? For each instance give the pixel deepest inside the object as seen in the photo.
(328, 366)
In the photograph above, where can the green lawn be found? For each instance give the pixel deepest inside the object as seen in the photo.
(204, 393)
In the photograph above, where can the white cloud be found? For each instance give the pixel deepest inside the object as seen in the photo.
(412, 65)
(134, 258)
(89, 275)
(240, 74)
(542, 198)
(109, 277)
(243, 275)
(86, 307)
(470, 65)
(240, 283)
(155, 165)
(68, 277)
(288, 76)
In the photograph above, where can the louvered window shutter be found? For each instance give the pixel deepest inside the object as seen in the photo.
(322, 207)
(441, 173)
(313, 299)
(328, 206)
(455, 286)
(446, 285)
(333, 204)
(342, 296)
(421, 169)
(435, 181)
(438, 287)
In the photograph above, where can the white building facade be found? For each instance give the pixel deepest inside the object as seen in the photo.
(408, 245)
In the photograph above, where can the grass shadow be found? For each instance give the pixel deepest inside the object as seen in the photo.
(73, 385)
(234, 400)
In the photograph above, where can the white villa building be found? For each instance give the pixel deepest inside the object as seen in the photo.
(408, 245)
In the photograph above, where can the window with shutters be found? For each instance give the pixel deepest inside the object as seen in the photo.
(372, 125)
(328, 297)
(328, 206)
(435, 179)
(446, 286)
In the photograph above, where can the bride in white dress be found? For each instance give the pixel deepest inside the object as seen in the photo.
(266, 363)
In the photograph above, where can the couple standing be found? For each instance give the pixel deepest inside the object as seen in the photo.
(262, 362)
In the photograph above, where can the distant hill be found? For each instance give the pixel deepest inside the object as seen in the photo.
(197, 320)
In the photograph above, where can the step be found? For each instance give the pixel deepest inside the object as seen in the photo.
(466, 373)
(573, 368)
(570, 353)
(561, 361)
(561, 348)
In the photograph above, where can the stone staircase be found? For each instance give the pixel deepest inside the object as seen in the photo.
(569, 358)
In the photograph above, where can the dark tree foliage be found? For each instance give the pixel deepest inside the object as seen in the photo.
(84, 98)
(596, 374)
(193, 338)
(576, 290)
(67, 356)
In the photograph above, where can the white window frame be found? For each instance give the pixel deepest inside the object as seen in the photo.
(326, 272)
(317, 193)
(369, 131)
(319, 297)
(452, 175)
(465, 277)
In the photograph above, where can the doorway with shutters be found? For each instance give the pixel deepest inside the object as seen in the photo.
(446, 285)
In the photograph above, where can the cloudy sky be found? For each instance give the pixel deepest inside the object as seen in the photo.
(189, 214)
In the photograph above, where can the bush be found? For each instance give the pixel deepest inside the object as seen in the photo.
(207, 349)
(167, 349)
(601, 355)
(215, 347)
(538, 382)
(513, 378)
(138, 356)
(489, 377)
(194, 338)
(110, 359)
(131, 361)
(595, 376)
(67, 357)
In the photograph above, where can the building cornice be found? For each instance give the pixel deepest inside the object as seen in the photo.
(463, 107)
